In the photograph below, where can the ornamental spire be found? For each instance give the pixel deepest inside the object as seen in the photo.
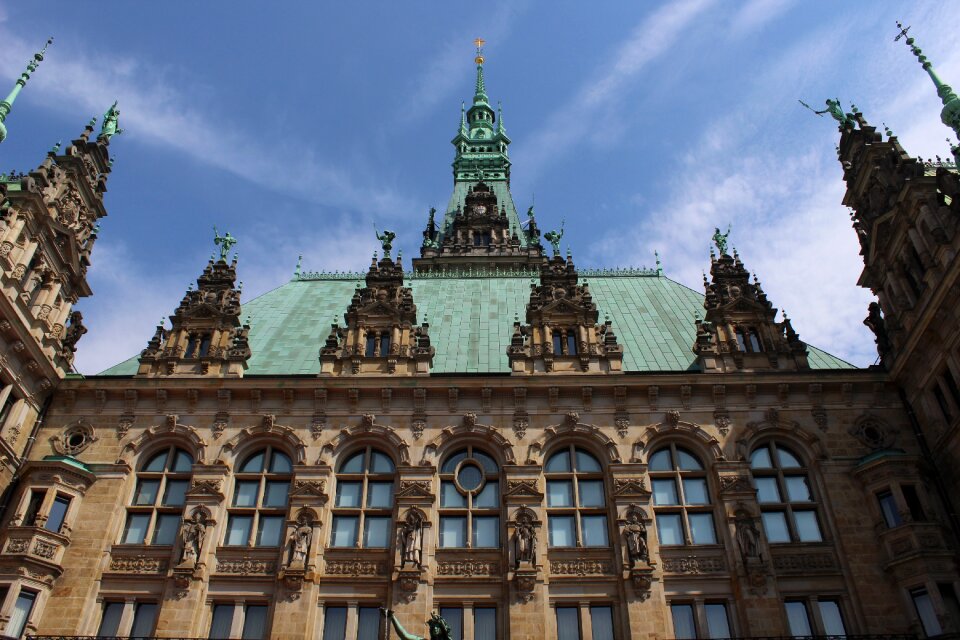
(7, 104)
(480, 94)
(950, 115)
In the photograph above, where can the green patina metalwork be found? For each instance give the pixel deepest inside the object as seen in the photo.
(7, 103)
(110, 126)
(386, 240)
(225, 242)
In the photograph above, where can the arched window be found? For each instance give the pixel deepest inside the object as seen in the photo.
(681, 498)
(469, 500)
(154, 514)
(364, 501)
(260, 492)
(787, 502)
(576, 500)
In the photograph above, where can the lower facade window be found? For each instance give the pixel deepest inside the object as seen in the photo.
(20, 614)
(143, 623)
(815, 617)
(700, 620)
(251, 619)
(926, 612)
(483, 621)
(570, 618)
(369, 621)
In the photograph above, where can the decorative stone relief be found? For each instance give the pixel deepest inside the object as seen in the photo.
(355, 568)
(581, 567)
(138, 564)
(246, 567)
(74, 439)
(468, 568)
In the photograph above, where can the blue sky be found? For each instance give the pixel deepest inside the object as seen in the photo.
(296, 126)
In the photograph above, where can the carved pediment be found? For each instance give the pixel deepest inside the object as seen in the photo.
(523, 488)
(414, 489)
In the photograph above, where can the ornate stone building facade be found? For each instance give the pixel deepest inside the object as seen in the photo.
(530, 449)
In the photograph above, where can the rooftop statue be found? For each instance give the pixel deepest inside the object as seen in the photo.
(439, 629)
(835, 111)
(225, 242)
(110, 128)
(720, 239)
(554, 237)
(386, 240)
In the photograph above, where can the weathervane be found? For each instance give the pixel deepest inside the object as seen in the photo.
(903, 31)
(479, 42)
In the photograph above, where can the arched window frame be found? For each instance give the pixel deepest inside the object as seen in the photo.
(259, 499)
(785, 482)
(477, 507)
(155, 509)
(682, 493)
(362, 519)
(590, 518)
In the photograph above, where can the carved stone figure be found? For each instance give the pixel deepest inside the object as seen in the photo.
(748, 537)
(411, 540)
(300, 541)
(75, 331)
(635, 533)
(525, 541)
(876, 323)
(191, 535)
(439, 629)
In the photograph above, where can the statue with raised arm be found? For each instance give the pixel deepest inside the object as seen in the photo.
(439, 629)
(835, 111)
(191, 535)
(225, 242)
(110, 128)
(720, 239)
(386, 240)
(554, 237)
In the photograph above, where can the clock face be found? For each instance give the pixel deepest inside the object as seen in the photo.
(481, 209)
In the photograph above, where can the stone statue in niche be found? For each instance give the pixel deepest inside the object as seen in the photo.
(525, 540)
(300, 540)
(635, 533)
(411, 540)
(191, 535)
(748, 537)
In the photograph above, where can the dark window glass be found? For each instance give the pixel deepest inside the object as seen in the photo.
(144, 620)
(110, 620)
(831, 618)
(891, 515)
(33, 508)
(942, 402)
(683, 621)
(681, 497)
(485, 624)
(364, 501)
(385, 343)
(454, 618)
(572, 342)
(785, 493)
(718, 624)
(334, 623)
(20, 614)
(557, 343)
(913, 502)
(222, 621)
(368, 623)
(371, 345)
(204, 345)
(568, 623)
(926, 612)
(254, 622)
(601, 623)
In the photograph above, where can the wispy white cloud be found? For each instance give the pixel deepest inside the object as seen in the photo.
(755, 14)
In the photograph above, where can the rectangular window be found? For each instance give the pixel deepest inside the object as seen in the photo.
(572, 343)
(345, 530)
(371, 345)
(136, 530)
(368, 623)
(891, 515)
(454, 618)
(165, 531)
(376, 533)
(562, 532)
(58, 513)
(175, 493)
(489, 496)
(380, 495)
(559, 493)
(695, 491)
(348, 494)
(335, 623)
(591, 493)
(913, 502)
(808, 530)
(485, 624)
(701, 528)
(238, 530)
(797, 489)
(144, 620)
(798, 620)
(7, 400)
(767, 490)
(683, 621)
(486, 532)
(669, 529)
(601, 623)
(21, 614)
(568, 623)
(718, 624)
(246, 493)
(775, 525)
(450, 497)
(270, 531)
(254, 622)
(557, 343)
(665, 492)
(110, 620)
(942, 403)
(33, 507)
(276, 494)
(146, 493)
(222, 621)
(594, 531)
(453, 531)
(926, 612)
(831, 618)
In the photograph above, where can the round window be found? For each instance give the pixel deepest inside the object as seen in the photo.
(469, 477)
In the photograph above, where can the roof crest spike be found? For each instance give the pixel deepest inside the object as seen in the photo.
(7, 103)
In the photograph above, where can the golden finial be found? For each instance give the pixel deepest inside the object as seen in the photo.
(479, 42)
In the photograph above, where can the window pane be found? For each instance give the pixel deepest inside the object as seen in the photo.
(797, 489)
(144, 620)
(760, 459)
(832, 620)
(665, 491)
(797, 619)
(891, 516)
(376, 533)
(353, 464)
(926, 612)
(380, 495)
(454, 618)
(280, 463)
(695, 491)
(335, 623)
(270, 531)
(368, 623)
(146, 492)
(238, 530)
(182, 462)
(344, 531)
(594, 531)
(174, 495)
(562, 531)
(381, 463)
(787, 459)
(767, 490)
(489, 464)
(660, 461)
(683, 626)
(470, 477)
(136, 531)
(276, 494)
(568, 623)
(165, 530)
(559, 493)
(775, 525)
(450, 464)
(58, 511)
(157, 462)
(450, 496)
(110, 622)
(601, 623)
(488, 497)
(246, 493)
(669, 529)
(701, 528)
(486, 532)
(348, 494)
(807, 528)
(453, 532)
(558, 462)
(33, 508)
(718, 624)
(222, 621)
(254, 622)
(591, 493)
(253, 464)
(687, 461)
(20, 615)
(913, 502)
(485, 624)
(587, 463)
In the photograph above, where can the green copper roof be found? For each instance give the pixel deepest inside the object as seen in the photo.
(471, 321)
